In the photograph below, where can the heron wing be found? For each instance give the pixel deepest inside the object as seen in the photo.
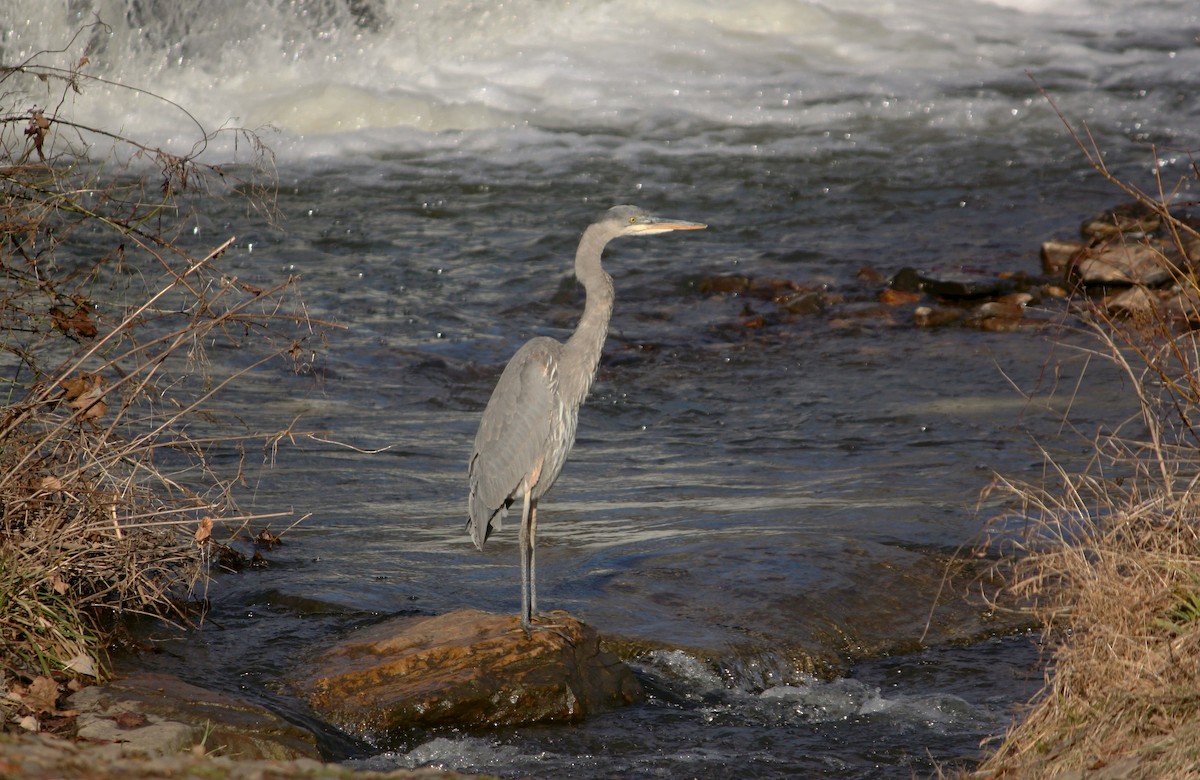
(514, 435)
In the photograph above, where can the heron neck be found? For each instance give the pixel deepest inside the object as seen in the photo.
(582, 352)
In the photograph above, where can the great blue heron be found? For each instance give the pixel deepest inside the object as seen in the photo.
(529, 424)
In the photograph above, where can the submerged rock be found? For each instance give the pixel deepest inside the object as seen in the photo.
(951, 283)
(159, 714)
(722, 285)
(817, 610)
(813, 302)
(466, 668)
(892, 297)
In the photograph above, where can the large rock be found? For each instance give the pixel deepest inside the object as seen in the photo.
(465, 668)
(1135, 302)
(1149, 262)
(1058, 256)
(158, 714)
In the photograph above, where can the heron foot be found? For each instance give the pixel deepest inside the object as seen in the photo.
(546, 623)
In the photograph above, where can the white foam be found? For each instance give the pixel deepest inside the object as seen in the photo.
(693, 671)
(673, 69)
(840, 699)
(447, 753)
(807, 699)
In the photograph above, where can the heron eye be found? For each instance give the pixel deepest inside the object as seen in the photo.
(632, 219)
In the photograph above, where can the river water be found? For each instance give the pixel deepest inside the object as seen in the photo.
(743, 493)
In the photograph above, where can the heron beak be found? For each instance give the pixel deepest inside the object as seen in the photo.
(658, 225)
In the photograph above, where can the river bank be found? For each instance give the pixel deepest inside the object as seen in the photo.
(33, 757)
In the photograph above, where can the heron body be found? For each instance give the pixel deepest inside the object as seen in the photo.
(528, 427)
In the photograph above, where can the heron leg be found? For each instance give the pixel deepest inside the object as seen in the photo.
(532, 558)
(526, 603)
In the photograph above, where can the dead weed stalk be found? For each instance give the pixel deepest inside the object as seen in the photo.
(116, 340)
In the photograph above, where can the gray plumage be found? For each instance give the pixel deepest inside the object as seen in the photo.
(529, 425)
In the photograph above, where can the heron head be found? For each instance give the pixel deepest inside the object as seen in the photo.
(634, 221)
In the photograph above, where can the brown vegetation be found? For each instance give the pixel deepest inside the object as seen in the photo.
(109, 320)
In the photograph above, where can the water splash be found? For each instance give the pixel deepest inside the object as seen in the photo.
(679, 71)
(728, 699)
(462, 753)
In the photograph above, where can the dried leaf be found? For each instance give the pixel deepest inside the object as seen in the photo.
(39, 125)
(59, 317)
(83, 324)
(59, 585)
(50, 484)
(42, 695)
(130, 720)
(30, 723)
(74, 387)
(84, 394)
(82, 664)
(267, 539)
(78, 322)
(61, 724)
(204, 531)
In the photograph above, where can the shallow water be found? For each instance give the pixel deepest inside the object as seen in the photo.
(737, 494)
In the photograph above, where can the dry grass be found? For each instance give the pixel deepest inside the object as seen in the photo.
(116, 340)
(1118, 585)
(1108, 554)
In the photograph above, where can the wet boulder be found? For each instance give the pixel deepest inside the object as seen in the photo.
(953, 283)
(999, 316)
(810, 302)
(998, 310)
(1058, 256)
(1149, 263)
(466, 668)
(935, 316)
(1135, 302)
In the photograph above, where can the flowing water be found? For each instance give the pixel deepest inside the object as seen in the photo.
(738, 495)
